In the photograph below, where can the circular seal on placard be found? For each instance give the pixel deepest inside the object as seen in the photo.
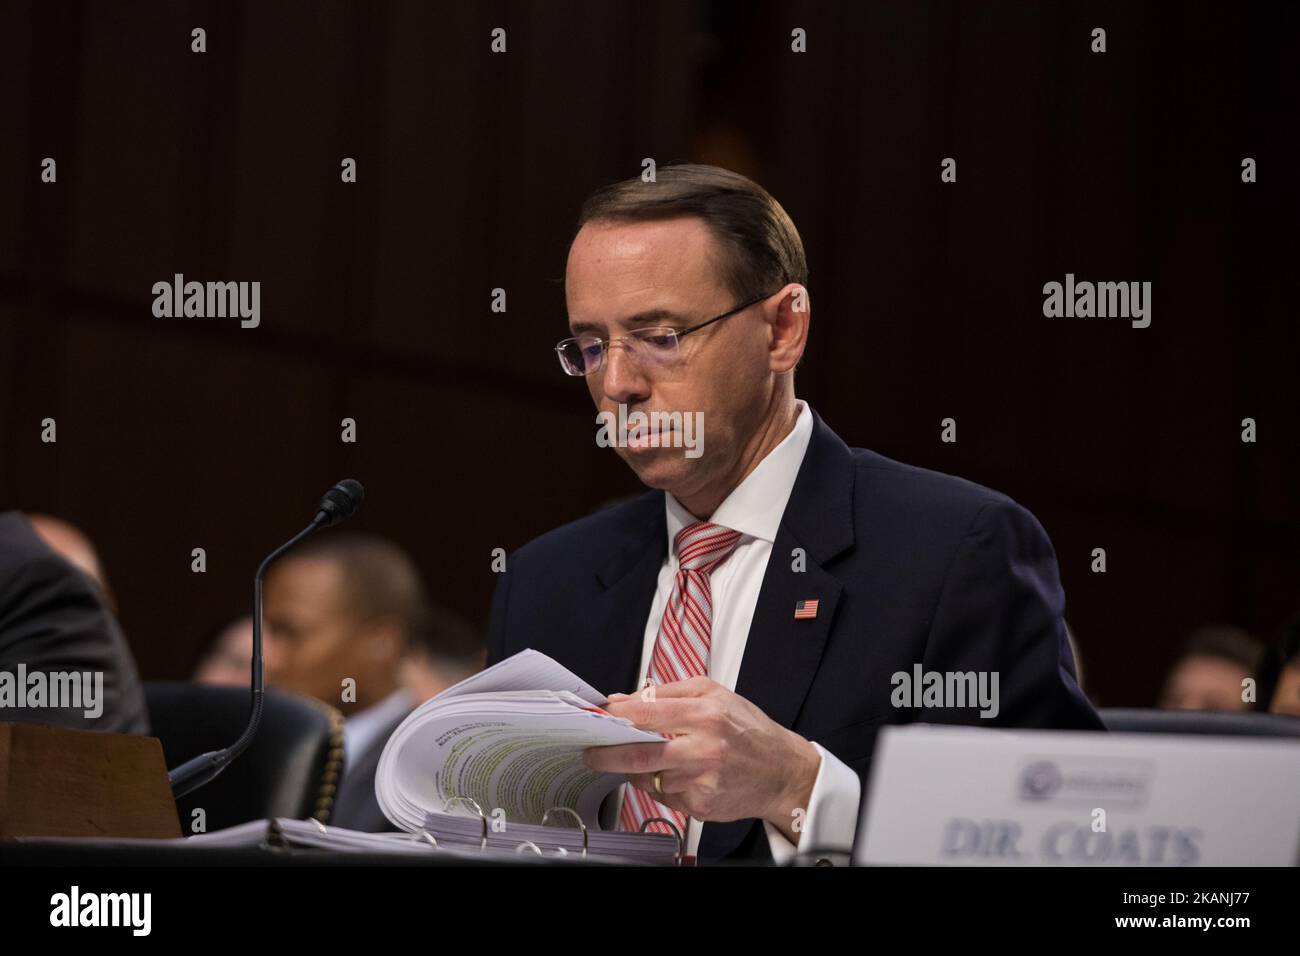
(1040, 780)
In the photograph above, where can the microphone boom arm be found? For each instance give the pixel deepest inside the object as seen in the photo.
(337, 505)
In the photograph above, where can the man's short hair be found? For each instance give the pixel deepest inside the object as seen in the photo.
(761, 247)
(381, 581)
(1226, 643)
(379, 578)
(447, 638)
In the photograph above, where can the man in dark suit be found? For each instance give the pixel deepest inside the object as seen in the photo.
(54, 621)
(778, 596)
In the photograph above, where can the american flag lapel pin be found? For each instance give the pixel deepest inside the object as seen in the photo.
(805, 610)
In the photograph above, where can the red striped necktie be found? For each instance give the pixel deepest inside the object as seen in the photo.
(682, 647)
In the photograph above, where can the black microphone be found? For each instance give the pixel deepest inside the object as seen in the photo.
(338, 504)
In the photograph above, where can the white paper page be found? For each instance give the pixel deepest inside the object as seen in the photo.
(527, 670)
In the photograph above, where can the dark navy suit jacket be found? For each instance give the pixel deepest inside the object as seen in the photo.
(910, 566)
(54, 619)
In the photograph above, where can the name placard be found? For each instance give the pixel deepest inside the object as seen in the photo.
(978, 796)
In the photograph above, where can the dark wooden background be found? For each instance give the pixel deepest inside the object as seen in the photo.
(180, 433)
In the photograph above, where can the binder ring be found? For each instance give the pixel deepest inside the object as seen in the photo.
(536, 848)
(573, 813)
(681, 843)
(274, 838)
(483, 842)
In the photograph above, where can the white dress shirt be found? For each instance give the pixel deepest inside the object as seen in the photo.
(754, 509)
(361, 731)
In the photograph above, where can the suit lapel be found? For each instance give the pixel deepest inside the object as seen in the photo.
(625, 590)
(782, 654)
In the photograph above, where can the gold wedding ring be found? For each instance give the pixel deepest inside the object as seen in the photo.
(659, 783)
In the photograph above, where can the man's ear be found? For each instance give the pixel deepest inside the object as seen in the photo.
(789, 328)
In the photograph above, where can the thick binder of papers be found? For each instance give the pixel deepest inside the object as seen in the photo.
(495, 763)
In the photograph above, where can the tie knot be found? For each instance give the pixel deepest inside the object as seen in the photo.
(703, 546)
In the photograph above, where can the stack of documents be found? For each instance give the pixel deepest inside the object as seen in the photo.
(483, 763)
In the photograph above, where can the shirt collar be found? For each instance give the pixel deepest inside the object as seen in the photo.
(755, 506)
(362, 728)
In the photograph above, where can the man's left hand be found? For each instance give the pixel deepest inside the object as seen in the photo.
(727, 760)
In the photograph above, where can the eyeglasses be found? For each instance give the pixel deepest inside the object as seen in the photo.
(651, 347)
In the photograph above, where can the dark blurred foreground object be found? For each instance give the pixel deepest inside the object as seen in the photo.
(1248, 724)
(72, 545)
(53, 619)
(291, 768)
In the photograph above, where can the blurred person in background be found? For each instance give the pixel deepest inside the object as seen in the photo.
(228, 660)
(1279, 684)
(338, 611)
(442, 650)
(342, 615)
(71, 544)
(1213, 668)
